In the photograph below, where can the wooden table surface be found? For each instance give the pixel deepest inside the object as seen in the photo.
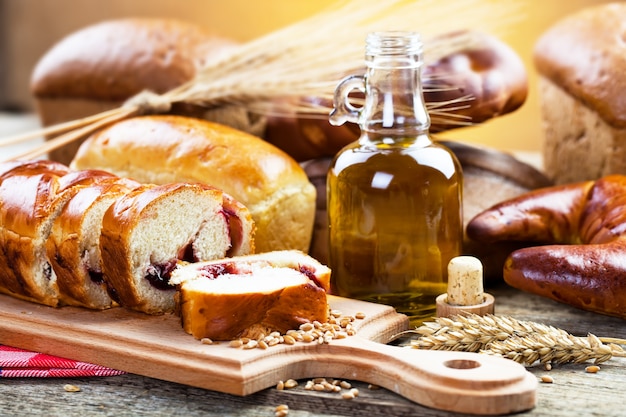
(573, 392)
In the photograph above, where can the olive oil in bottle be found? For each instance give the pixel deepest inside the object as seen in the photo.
(394, 196)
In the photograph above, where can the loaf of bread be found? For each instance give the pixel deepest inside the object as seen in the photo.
(165, 148)
(91, 239)
(101, 66)
(576, 238)
(248, 296)
(580, 62)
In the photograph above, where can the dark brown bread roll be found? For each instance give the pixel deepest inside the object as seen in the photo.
(581, 232)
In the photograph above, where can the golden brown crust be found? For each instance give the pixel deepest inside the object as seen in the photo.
(215, 300)
(585, 227)
(117, 59)
(65, 245)
(266, 180)
(585, 55)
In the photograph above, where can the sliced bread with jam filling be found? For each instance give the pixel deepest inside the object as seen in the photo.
(246, 296)
(146, 232)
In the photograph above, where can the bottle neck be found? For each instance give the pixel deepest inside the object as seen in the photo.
(394, 105)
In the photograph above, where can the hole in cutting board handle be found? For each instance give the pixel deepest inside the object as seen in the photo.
(462, 364)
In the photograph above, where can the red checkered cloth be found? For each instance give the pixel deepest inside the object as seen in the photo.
(19, 363)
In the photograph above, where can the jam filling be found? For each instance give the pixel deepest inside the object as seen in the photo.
(310, 273)
(96, 277)
(235, 230)
(158, 275)
(215, 270)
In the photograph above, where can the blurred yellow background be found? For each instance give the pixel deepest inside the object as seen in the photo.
(29, 27)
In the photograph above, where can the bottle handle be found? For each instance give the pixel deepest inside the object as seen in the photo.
(343, 110)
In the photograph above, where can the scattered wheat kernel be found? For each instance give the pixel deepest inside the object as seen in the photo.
(318, 387)
(263, 344)
(289, 340)
(306, 327)
(355, 392)
(281, 413)
(335, 313)
(281, 407)
(307, 337)
(348, 395)
(236, 343)
(291, 383)
(206, 341)
(280, 386)
(251, 344)
(373, 387)
(345, 385)
(547, 379)
(318, 380)
(548, 366)
(71, 388)
(309, 385)
(592, 369)
(360, 315)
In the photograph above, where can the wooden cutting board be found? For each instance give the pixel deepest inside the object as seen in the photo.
(156, 346)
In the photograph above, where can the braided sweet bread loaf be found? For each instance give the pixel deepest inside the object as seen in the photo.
(582, 231)
(91, 239)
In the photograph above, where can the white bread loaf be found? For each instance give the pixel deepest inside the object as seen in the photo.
(147, 231)
(581, 62)
(164, 149)
(248, 296)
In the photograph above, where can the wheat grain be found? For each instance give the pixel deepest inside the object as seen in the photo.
(525, 342)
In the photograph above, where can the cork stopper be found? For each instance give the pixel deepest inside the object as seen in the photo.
(465, 289)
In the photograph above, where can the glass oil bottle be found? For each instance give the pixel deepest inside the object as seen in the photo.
(395, 195)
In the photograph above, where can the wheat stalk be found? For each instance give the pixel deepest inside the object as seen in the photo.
(308, 58)
(525, 342)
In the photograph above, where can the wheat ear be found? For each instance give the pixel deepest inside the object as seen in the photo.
(525, 342)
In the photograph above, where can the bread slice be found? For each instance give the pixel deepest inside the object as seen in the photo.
(29, 201)
(247, 296)
(146, 232)
(73, 245)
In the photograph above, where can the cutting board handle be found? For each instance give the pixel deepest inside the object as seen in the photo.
(461, 382)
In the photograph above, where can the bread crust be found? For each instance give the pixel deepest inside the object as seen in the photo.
(215, 300)
(582, 229)
(273, 187)
(585, 55)
(116, 59)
